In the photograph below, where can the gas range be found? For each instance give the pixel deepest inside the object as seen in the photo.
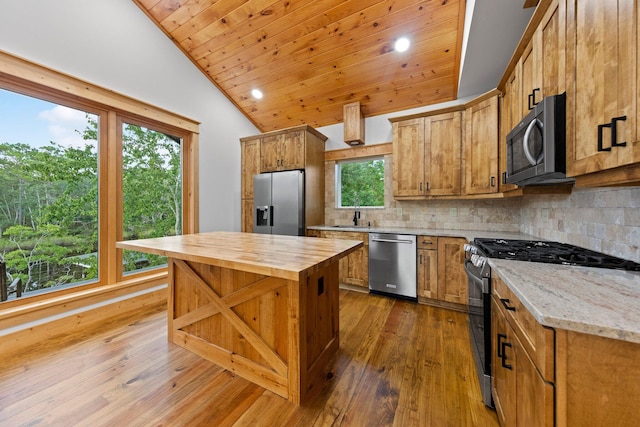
(550, 252)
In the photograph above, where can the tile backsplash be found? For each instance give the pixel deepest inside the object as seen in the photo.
(601, 219)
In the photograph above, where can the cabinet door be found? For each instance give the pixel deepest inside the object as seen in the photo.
(250, 153)
(408, 157)
(503, 365)
(601, 84)
(269, 153)
(247, 215)
(292, 151)
(550, 45)
(452, 279)
(531, 85)
(428, 273)
(443, 145)
(354, 268)
(481, 147)
(534, 396)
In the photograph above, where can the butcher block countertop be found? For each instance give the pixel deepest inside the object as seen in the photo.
(272, 255)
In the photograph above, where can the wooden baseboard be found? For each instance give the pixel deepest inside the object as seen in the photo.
(76, 324)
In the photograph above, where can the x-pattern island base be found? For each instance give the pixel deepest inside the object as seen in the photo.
(262, 306)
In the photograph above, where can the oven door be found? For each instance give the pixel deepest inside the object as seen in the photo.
(480, 324)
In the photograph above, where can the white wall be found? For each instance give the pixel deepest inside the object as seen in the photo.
(114, 45)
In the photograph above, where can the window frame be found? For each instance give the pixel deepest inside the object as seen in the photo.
(27, 78)
(338, 181)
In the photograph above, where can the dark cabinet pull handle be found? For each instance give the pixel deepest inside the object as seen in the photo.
(426, 186)
(420, 187)
(504, 356)
(531, 99)
(614, 132)
(600, 127)
(499, 345)
(504, 177)
(505, 302)
(493, 181)
(420, 259)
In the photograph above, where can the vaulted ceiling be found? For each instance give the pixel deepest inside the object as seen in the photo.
(310, 57)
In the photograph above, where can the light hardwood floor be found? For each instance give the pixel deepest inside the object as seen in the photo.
(399, 364)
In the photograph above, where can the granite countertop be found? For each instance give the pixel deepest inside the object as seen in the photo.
(594, 301)
(439, 232)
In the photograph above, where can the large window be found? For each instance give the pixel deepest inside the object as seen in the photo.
(151, 191)
(360, 183)
(81, 168)
(48, 193)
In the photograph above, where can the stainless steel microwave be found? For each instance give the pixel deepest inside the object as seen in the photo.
(536, 147)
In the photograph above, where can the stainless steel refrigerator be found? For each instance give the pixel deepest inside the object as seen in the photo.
(278, 203)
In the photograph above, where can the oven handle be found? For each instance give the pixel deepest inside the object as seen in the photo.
(482, 282)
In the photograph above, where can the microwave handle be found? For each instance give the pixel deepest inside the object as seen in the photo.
(525, 142)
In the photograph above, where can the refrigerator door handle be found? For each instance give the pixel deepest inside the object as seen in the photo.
(271, 216)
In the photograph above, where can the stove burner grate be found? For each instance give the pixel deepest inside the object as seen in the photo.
(551, 252)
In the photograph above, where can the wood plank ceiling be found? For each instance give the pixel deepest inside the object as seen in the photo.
(310, 57)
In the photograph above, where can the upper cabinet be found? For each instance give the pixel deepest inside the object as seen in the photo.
(481, 147)
(602, 90)
(542, 62)
(282, 151)
(300, 147)
(426, 155)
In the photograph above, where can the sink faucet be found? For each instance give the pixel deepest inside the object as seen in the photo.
(356, 212)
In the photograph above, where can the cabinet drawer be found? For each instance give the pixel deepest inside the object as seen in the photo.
(427, 242)
(537, 340)
(347, 235)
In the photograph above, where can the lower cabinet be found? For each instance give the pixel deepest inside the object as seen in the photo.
(354, 268)
(521, 396)
(427, 267)
(441, 276)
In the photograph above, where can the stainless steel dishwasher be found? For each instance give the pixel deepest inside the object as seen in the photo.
(392, 265)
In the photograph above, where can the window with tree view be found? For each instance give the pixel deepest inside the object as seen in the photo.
(48, 194)
(151, 191)
(360, 182)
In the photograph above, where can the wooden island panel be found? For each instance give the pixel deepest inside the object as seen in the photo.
(262, 306)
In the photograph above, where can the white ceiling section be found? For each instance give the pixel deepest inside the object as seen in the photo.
(494, 32)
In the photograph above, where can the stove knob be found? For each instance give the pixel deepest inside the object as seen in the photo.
(478, 260)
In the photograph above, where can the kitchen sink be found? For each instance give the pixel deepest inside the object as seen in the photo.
(349, 226)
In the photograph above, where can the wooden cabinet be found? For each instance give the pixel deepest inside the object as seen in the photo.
(282, 151)
(542, 62)
(354, 268)
(442, 280)
(353, 124)
(250, 159)
(300, 147)
(427, 266)
(509, 116)
(523, 362)
(598, 380)
(427, 154)
(452, 279)
(602, 83)
(481, 146)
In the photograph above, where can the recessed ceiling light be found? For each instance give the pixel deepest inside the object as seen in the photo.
(402, 44)
(256, 93)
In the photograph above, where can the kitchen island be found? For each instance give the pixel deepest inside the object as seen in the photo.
(262, 306)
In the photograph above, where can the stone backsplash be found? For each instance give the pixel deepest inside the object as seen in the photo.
(494, 215)
(601, 219)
